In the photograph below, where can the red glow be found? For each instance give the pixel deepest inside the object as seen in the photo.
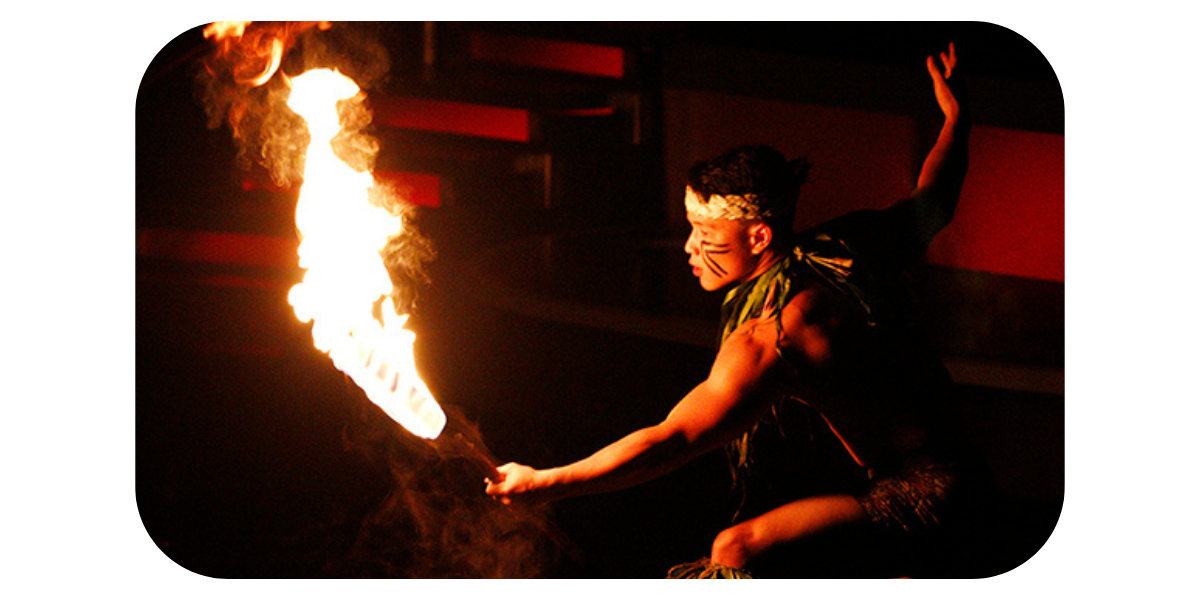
(553, 55)
(452, 117)
(220, 248)
(1079, 208)
(1011, 218)
(418, 189)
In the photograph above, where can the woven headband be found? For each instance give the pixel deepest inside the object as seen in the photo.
(724, 207)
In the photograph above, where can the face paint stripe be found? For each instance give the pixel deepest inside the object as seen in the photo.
(713, 265)
(706, 254)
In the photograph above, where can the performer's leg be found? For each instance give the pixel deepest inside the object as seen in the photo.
(791, 522)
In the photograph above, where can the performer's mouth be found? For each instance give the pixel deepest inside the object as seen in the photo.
(697, 271)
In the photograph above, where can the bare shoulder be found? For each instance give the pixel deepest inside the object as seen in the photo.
(812, 306)
(808, 309)
(749, 351)
(804, 331)
(810, 320)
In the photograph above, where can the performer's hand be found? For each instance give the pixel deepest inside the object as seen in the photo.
(515, 480)
(941, 87)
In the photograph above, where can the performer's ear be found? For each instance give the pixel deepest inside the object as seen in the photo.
(760, 235)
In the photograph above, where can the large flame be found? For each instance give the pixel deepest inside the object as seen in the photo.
(345, 289)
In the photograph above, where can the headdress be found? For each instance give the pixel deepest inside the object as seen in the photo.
(725, 207)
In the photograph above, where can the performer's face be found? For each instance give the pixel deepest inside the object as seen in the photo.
(720, 251)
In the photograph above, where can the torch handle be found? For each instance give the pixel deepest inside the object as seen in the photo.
(477, 457)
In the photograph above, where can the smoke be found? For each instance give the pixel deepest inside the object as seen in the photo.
(435, 521)
(244, 86)
(239, 88)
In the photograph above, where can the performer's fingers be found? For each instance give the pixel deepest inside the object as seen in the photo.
(951, 60)
(934, 71)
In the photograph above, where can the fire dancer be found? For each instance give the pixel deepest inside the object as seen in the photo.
(817, 317)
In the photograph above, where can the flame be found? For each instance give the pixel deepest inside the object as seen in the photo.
(223, 29)
(345, 282)
(258, 52)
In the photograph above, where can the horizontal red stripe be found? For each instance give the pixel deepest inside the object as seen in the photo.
(1005, 224)
(417, 189)
(220, 248)
(554, 55)
(457, 118)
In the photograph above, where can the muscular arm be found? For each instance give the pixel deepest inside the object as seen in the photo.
(903, 231)
(735, 394)
(945, 168)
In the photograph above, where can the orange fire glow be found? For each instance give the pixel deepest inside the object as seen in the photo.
(346, 289)
(259, 49)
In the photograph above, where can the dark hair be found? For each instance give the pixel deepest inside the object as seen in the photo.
(757, 170)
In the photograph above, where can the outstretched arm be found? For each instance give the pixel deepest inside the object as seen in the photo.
(945, 167)
(734, 396)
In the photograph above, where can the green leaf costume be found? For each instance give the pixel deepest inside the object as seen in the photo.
(865, 258)
(861, 256)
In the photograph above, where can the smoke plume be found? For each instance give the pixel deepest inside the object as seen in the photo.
(435, 521)
(244, 85)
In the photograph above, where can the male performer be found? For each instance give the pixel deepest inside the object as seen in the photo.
(815, 317)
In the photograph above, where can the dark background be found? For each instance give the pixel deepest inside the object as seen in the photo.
(560, 314)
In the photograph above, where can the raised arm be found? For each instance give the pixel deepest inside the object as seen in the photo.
(945, 167)
(736, 393)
